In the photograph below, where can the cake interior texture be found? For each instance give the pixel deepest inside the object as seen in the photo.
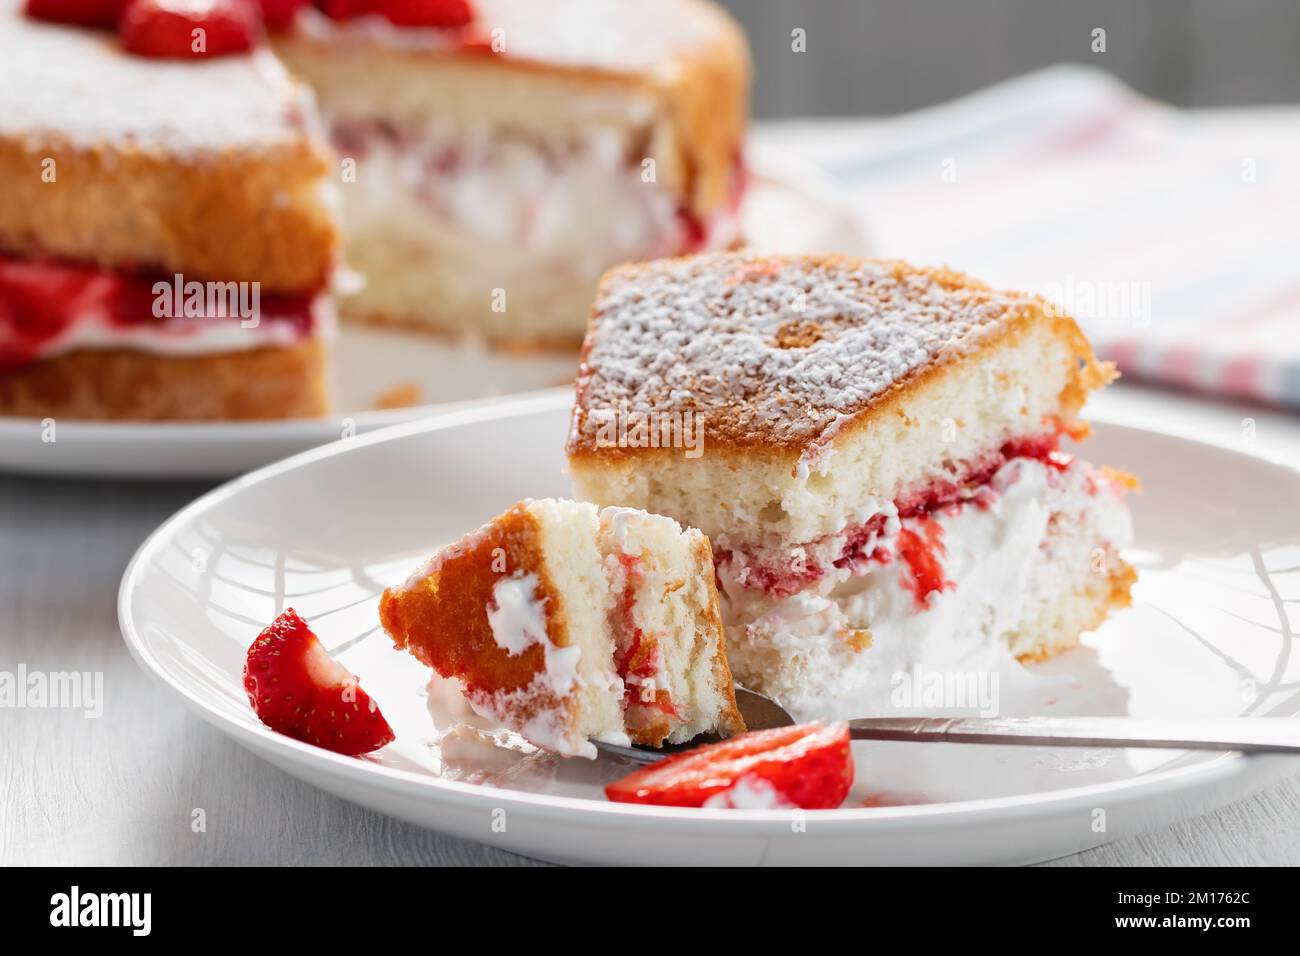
(669, 645)
(881, 474)
(575, 568)
(487, 194)
(567, 624)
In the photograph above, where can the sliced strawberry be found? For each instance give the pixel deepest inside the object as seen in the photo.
(190, 29)
(808, 766)
(82, 13)
(298, 689)
(348, 9)
(428, 13)
(280, 14)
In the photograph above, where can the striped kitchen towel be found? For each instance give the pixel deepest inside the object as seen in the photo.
(1172, 235)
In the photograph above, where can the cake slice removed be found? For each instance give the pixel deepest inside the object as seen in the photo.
(875, 452)
(566, 623)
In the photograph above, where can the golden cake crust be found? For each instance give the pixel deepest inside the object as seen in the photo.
(782, 354)
(121, 384)
(441, 618)
(730, 721)
(240, 215)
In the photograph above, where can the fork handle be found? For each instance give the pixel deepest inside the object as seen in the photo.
(1245, 734)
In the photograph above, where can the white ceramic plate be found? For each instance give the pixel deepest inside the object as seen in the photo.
(789, 207)
(327, 530)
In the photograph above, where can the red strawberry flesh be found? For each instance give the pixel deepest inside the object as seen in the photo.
(296, 688)
(808, 766)
(190, 29)
(82, 13)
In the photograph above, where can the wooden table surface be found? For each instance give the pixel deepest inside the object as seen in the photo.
(122, 788)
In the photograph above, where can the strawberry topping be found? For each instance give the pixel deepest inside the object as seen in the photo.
(190, 29)
(443, 14)
(808, 766)
(348, 9)
(296, 688)
(82, 13)
(280, 14)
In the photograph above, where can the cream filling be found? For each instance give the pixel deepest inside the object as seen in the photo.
(524, 205)
(742, 563)
(93, 328)
(518, 621)
(843, 647)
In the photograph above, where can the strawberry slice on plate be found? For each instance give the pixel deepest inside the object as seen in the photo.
(808, 766)
(297, 689)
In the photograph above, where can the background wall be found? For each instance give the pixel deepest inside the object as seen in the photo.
(886, 56)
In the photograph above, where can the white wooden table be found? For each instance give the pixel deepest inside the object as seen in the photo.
(121, 789)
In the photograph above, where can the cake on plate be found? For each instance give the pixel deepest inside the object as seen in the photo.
(167, 246)
(566, 623)
(873, 450)
(495, 164)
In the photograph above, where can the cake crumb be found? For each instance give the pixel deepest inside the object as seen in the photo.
(403, 395)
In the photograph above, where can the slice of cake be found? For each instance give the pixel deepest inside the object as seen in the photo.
(874, 451)
(166, 243)
(565, 623)
(494, 168)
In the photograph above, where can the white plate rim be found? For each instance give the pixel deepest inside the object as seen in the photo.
(263, 740)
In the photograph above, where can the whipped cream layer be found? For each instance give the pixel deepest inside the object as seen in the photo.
(518, 620)
(50, 308)
(507, 204)
(941, 591)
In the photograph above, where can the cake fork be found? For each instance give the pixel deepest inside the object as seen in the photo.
(1241, 734)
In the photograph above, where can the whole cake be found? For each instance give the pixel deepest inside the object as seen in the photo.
(873, 450)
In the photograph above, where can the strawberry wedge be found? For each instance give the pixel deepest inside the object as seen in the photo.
(297, 689)
(190, 29)
(808, 766)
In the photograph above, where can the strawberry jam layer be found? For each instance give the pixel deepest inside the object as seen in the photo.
(637, 659)
(906, 532)
(538, 184)
(48, 307)
(920, 545)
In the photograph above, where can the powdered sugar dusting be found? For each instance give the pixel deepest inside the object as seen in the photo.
(620, 36)
(773, 349)
(81, 87)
